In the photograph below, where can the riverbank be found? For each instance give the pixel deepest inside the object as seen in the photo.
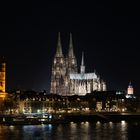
(102, 116)
(70, 117)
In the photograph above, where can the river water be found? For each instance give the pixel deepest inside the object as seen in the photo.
(73, 131)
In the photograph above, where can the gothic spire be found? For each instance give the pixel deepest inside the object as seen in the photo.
(70, 52)
(82, 61)
(82, 64)
(59, 47)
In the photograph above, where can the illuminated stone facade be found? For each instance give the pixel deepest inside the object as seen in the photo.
(65, 79)
(2, 80)
(130, 90)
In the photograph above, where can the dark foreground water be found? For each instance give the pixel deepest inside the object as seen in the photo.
(73, 131)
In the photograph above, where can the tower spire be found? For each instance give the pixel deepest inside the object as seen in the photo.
(82, 64)
(59, 47)
(130, 84)
(71, 53)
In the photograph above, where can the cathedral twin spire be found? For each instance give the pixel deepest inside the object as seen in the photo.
(62, 67)
(70, 52)
(65, 78)
(59, 47)
(59, 52)
(70, 55)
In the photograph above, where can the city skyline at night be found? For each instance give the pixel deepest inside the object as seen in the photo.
(69, 70)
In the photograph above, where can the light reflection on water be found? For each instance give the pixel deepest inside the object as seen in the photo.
(72, 131)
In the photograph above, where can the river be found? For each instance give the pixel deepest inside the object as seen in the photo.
(73, 131)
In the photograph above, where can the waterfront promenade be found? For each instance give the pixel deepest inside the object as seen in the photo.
(68, 117)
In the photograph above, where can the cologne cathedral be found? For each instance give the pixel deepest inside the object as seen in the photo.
(65, 79)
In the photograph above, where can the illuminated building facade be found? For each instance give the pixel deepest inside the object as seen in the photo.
(82, 83)
(2, 80)
(65, 79)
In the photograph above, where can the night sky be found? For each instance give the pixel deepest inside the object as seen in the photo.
(107, 32)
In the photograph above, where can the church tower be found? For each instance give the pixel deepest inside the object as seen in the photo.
(130, 89)
(2, 80)
(71, 66)
(58, 71)
(71, 62)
